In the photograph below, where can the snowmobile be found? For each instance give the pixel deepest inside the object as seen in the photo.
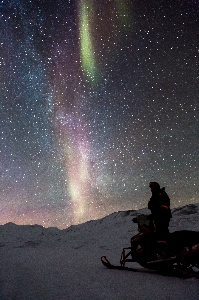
(175, 254)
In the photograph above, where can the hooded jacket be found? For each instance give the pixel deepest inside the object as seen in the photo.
(159, 204)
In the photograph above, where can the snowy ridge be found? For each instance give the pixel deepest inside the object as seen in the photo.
(119, 223)
(52, 264)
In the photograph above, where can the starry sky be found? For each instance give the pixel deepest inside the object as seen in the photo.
(98, 98)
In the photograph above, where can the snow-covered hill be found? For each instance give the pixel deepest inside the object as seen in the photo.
(40, 263)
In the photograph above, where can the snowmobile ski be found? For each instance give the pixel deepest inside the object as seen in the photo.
(176, 271)
(107, 264)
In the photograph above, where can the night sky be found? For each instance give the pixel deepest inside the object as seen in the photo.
(98, 98)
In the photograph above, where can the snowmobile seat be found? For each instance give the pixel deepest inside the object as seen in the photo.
(184, 238)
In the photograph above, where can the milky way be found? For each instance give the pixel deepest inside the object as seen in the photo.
(97, 99)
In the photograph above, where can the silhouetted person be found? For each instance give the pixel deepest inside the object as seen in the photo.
(159, 204)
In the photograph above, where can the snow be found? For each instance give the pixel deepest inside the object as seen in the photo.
(40, 263)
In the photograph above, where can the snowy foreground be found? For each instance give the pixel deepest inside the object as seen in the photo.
(39, 263)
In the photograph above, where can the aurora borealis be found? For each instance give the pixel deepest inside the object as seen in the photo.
(97, 99)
